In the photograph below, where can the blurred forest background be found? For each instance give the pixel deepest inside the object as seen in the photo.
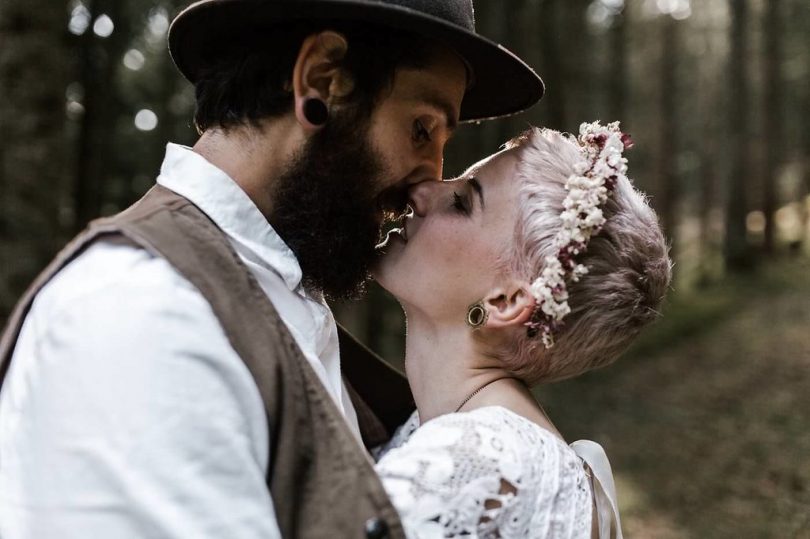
(707, 419)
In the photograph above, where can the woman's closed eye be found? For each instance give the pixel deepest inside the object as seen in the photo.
(460, 204)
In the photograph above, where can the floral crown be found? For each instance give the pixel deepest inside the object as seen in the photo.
(593, 181)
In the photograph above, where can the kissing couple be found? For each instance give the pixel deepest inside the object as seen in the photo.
(176, 371)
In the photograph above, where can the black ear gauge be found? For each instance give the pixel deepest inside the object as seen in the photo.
(315, 111)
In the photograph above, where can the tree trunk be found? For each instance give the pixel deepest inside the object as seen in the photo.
(772, 117)
(551, 66)
(804, 212)
(98, 60)
(617, 77)
(515, 37)
(804, 160)
(33, 60)
(668, 137)
(707, 194)
(736, 251)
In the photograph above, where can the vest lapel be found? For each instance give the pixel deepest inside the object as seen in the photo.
(380, 394)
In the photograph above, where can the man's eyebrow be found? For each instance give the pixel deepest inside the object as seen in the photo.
(478, 189)
(444, 106)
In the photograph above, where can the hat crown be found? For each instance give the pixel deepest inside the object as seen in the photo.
(458, 12)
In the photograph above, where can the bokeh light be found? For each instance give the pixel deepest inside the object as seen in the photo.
(146, 120)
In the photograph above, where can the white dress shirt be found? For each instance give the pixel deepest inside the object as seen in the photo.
(126, 412)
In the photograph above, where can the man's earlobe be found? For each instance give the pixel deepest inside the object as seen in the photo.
(509, 306)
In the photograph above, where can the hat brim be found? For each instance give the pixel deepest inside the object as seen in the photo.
(502, 83)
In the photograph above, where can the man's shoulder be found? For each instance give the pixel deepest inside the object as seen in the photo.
(117, 304)
(111, 270)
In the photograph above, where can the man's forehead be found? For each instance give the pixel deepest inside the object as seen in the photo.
(441, 84)
(443, 103)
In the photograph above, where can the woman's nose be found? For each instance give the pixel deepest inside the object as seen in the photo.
(424, 195)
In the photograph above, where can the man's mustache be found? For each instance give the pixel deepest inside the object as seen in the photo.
(392, 203)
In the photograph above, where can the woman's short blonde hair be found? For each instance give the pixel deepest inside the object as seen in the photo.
(628, 262)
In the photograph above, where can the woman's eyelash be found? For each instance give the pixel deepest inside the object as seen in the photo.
(458, 204)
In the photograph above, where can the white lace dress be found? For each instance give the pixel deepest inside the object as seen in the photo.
(491, 473)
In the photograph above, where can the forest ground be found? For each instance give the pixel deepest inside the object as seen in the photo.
(707, 420)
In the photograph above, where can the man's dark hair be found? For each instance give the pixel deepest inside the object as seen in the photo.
(250, 80)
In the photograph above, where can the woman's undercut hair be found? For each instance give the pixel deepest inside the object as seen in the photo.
(251, 79)
(629, 269)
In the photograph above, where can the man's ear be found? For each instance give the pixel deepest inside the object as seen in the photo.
(318, 73)
(509, 306)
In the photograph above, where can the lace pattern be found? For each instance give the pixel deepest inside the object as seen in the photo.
(488, 473)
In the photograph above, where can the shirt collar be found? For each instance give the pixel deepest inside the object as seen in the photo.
(188, 174)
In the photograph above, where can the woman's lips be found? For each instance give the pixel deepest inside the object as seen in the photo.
(393, 234)
(401, 232)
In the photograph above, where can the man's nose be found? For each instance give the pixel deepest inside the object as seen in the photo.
(431, 163)
(436, 159)
(420, 195)
(423, 195)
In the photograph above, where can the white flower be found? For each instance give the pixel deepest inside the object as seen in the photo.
(614, 160)
(569, 218)
(594, 217)
(579, 271)
(581, 167)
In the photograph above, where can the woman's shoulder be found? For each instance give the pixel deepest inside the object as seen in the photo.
(503, 423)
(523, 439)
(495, 467)
(497, 426)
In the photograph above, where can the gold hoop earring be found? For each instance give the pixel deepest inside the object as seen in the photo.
(477, 315)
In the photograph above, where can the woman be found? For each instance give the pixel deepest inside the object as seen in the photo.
(541, 262)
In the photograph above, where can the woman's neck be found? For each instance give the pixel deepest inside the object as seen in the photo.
(446, 364)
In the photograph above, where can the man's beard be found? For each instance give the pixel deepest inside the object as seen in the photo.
(325, 207)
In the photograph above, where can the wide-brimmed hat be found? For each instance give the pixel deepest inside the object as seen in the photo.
(502, 83)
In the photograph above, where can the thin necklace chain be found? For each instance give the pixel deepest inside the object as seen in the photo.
(477, 391)
(474, 393)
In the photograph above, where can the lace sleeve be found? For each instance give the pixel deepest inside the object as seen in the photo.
(485, 473)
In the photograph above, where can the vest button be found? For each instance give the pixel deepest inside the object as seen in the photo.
(376, 528)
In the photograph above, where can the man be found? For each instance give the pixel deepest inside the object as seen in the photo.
(176, 371)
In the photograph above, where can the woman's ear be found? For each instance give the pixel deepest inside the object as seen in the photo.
(318, 78)
(509, 306)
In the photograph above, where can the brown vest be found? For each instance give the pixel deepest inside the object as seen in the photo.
(322, 482)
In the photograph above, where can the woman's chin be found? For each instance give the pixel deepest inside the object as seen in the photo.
(385, 270)
(381, 272)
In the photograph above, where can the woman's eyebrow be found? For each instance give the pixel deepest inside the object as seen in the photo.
(478, 189)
